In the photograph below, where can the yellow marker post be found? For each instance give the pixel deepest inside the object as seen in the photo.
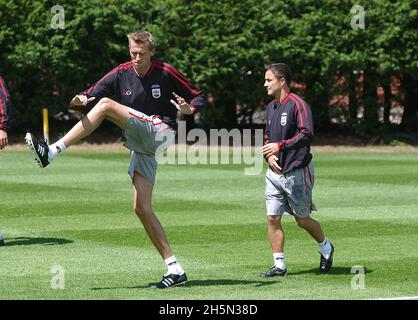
(46, 123)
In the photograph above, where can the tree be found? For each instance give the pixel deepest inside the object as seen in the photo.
(222, 46)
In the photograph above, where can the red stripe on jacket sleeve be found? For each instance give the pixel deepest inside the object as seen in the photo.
(299, 112)
(2, 107)
(178, 76)
(4, 90)
(2, 113)
(304, 109)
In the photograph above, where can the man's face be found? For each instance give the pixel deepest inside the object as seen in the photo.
(272, 84)
(140, 54)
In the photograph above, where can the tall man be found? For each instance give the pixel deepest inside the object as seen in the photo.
(147, 95)
(5, 111)
(290, 176)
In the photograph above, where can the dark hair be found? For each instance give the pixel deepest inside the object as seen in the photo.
(280, 70)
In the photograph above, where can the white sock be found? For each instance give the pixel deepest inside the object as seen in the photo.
(55, 148)
(279, 260)
(173, 266)
(325, 248)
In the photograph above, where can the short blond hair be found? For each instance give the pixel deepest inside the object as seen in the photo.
(142, 37)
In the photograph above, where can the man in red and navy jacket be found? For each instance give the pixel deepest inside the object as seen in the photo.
(150, 92)
(290, 126)
(142, 97)
(5, 112)
(290, 176)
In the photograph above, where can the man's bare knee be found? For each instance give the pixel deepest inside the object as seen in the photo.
(104, 107)
(303, 222)
(105, 101)
(273, 220)
(143, 212)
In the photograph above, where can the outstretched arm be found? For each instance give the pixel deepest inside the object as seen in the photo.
(101, 89)
(190, 98)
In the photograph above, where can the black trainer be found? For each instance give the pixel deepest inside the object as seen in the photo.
(274, 271)
(171, 280)
(39, 148)
(326, 264)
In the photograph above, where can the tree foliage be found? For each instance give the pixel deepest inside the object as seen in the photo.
(220, 45)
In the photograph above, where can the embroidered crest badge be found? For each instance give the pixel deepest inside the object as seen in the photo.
(156, 91)
(283, 119)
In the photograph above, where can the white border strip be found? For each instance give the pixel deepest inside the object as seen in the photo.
(398, 298)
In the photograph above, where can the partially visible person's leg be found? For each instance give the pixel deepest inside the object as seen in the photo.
(105, 109)
(299, 194)
(1, 238)
(276, 239)
(276, 204)
(275, 232)
(142, 205)
(326, 249)
(312, 226)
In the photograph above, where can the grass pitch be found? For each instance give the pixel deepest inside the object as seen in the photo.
(77, 214)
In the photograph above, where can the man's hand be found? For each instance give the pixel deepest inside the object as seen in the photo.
(182, 105)
(270, 149)
(80, 101)
(3, 139)
(272, 160)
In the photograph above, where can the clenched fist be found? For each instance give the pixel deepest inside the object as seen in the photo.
(80, 101)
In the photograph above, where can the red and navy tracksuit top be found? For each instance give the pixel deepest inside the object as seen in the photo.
(150, 94)
(5, 107)
(290, 125)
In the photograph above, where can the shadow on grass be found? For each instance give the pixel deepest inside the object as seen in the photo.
(333, 271)
(203, 283)
(27, 241)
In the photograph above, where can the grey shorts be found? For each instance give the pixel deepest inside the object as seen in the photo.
(290, 192)
(146, 136)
